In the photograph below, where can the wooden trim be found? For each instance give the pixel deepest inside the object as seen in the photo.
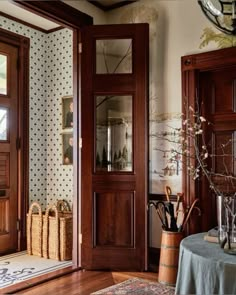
(57, 11)
(54, 30)
(209, 60)
(23, 44)
(161, 197)
(20, 21)
(76, 161)
(112, 6)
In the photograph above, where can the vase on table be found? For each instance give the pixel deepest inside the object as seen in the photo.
(226, 216)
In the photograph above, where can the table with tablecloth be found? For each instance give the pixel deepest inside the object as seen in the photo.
(204, 268)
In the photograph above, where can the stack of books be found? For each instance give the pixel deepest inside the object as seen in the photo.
(212, 235)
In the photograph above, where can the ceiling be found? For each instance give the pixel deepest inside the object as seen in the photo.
(11, 9)
(110, 4)
(29, 17)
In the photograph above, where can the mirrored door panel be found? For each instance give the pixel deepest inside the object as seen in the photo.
(114, 133)
(114, 56)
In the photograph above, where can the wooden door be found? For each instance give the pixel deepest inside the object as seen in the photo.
(114, 146)
(208, 81)
(8, 147)
(218, 100)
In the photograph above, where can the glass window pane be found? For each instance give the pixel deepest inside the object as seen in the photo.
(3, 124)
(114, 133)
(3, 74)
(114, 56)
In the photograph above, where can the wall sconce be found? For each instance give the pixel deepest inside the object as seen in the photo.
(222, 13)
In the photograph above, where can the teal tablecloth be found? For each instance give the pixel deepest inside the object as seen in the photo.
(204, 268)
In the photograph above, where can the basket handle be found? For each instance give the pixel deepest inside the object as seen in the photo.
(63, 205)
(29, 234)
(46, 231)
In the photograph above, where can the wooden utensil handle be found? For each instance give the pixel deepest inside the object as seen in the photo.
(168, 193)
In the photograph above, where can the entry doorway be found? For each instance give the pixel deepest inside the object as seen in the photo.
(23, 198)
(209, 83)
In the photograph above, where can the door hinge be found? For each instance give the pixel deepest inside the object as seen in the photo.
(80, 47)
(18, 225)
(80, 143)
(18, 143)
(80, 238)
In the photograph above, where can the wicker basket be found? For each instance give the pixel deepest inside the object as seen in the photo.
(57, 234)
(34, 230)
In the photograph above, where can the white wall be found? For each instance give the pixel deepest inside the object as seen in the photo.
(99, 16)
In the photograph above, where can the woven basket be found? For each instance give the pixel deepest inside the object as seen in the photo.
(57, 234)
(34, 230)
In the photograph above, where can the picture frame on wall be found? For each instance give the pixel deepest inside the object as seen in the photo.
(67, 112)
(67, 148)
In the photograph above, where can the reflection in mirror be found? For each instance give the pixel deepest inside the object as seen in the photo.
(114, 56)
(3, 124)
(114, 133)
(3, 74)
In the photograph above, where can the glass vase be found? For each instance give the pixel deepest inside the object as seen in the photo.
(226, 215)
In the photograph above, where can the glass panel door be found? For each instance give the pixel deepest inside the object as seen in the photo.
(114, 133)
(114, 56)
(3, 74)
(3, 124)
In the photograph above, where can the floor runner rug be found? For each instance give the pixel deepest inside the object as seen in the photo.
(137, 286)
(20, 266)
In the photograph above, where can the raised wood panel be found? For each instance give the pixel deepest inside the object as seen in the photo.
(4, 214)
(4, 170)
(114, 219)
(222, 85)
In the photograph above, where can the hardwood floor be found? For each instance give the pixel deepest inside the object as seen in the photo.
(84, 282)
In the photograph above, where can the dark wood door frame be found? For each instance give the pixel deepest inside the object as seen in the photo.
(192, 66)
(72, 18)
(22, 43)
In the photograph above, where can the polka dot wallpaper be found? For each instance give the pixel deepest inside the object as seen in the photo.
(50, 79)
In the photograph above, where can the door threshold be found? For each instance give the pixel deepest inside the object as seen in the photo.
(38, 280)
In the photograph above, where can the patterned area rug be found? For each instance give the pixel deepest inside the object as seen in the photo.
(20, 266)
(137, 286)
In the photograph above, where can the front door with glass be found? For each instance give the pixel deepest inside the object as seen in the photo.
(8, 147)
